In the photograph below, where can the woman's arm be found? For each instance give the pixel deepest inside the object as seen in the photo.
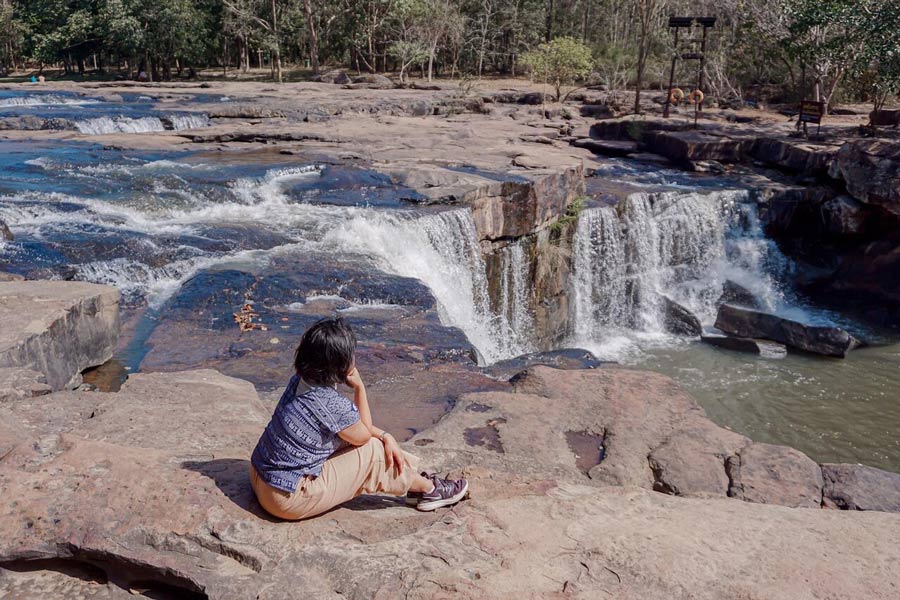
(392, 451)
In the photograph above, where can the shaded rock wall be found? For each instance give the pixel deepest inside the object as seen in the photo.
(57, 328)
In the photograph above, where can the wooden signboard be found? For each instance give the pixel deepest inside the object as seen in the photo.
(812, 111)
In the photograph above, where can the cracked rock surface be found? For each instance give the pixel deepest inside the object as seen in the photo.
(146, 491)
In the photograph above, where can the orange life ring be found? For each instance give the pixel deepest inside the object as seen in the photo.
(676, 95)
(696, 97)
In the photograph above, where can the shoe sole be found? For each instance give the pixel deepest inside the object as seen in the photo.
(428, 506)
(412, 500)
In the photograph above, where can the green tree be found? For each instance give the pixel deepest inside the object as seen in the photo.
(560, 62)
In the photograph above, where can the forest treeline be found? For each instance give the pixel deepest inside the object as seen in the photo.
(776, 49)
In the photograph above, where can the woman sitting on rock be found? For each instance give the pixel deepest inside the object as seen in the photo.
(321, 450)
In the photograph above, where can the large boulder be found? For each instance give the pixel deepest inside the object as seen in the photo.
(844, 216)
(374, 80)
(735, 293)
(886, 117)
(858, 487)
(793, 155)
(871, 171)
(693, 146)
(765, 348)
(58, 328)
(775, 475)
(679, 320)
(747, 323)
(5, 233)
(335, 76)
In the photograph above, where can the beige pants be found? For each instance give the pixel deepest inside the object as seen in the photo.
(345, 475)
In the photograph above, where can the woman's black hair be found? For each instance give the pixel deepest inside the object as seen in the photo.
(325, 353)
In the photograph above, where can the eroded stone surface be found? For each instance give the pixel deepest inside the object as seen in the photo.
(858, 487)
(57, 328)
(771, 474)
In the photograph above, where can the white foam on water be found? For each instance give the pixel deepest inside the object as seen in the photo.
(106, 125)
(44, 100)
(684, 245)
(122, 124)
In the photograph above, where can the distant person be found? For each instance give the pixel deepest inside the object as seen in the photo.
(320, 449)
(41, 79)
(142, 76)
(33, 79)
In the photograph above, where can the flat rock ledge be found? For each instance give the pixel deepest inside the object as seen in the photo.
(57, 328)
(147, 490)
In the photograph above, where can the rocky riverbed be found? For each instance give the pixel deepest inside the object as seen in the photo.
(636, 493)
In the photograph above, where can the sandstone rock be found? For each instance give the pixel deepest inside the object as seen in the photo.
(607, 147)
(793, 155)
(524, 205)
(375, 80)
(335, 76)
(885, 117)
(565, 358)
(775, 475)
(4, 277)
(735, 293)
(706, 166)
(683, 146)
(747, 323)
(18, 382)
(597, 111)
(57, 328)
(844, 216)
(765, 348)
(243, 111)
(5, 233)
(679, 320)
(871, 171)
(163, 504)
(692, 462)
(858, 487)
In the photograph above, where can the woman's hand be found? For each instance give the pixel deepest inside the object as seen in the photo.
(354, 380)
(393, 455)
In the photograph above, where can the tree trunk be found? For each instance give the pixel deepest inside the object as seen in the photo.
(277, 42)
(431, 54)
(313, 37)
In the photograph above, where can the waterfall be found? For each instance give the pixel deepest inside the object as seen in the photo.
(514, 315)
(44, 100)
(682, 245)
(442, 251)
(122, 124)
(188, 121)
(103, 125)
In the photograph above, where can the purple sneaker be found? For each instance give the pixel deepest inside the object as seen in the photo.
(447, 492)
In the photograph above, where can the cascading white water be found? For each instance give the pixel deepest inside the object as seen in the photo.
(442, 251)
(681, 245)
(104, 125)
(122, 124)
(44, 100)
(515, 319)
(188, 121)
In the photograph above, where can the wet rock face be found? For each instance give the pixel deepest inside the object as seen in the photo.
(871, 171)
(747, 323)
(679, 320)
(735, 293)
(5, 233)
(57, 328)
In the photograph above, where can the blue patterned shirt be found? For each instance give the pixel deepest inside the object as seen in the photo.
(302, 434)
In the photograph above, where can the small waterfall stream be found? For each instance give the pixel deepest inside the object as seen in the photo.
(681, 245)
